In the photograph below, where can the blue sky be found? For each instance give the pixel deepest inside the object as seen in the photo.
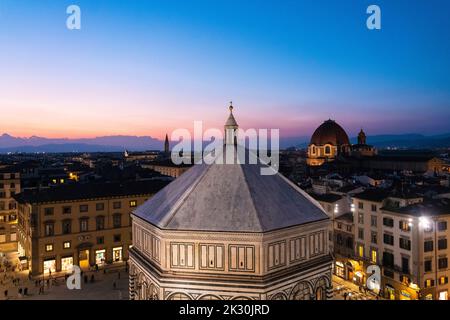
(147, 67)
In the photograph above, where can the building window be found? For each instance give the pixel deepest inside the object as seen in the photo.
(339, 225)
(66, 245)
(133, 203)
(373, 256)
(361, 251)
(442, 263)
(327, 150)
(361, 233)
(373, 221)
(442, 244)
(443, 280)
(100, 206)
(117, 220)
(49, 247)
(405, 265)
(48, 211)
(428, 246)
(67, 210)
(49, 229)
(442, 225)
(360, 218)
(212, 256)
(349, 242)
(84, 224)
(405, 244)
(361, 205)
(388, 239)
(276, 255)
(429, 283)
(428, 266)
(100, 240)
(182, 255)
(388, 259)
(373, 207)
(84, 208)
(241, 258)
(349, 228)
(374, 237)
(66, 226)
(388, 222)
(117, 205)
(100, 222)
(404, 225)
(117, 238)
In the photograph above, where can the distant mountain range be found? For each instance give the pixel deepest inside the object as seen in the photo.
(33, 144)
(9, 143)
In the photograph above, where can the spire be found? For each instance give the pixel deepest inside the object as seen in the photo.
(231, 122)
(166, 144)
(230, 127)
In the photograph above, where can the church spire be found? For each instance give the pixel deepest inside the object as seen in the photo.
(166, 144)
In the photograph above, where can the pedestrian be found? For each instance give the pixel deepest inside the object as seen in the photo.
(114, 285)
(25, 291)
(92, 279)
(85, 279)
(6, 294)
(118, 275)
(345, 295)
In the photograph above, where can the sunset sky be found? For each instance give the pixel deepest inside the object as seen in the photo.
(148, 67)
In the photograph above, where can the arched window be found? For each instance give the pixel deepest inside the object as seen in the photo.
(301, 292)
(313, 150)
(152, 293)
(143, 288)
(241, 298)
(179, 296)
(321, 287)
(279, 296)
(327, 150)
(209, 297)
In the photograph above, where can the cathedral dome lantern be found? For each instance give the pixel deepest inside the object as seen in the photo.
(231, 127)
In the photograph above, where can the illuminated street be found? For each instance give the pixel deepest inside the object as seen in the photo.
(341, 286)
(101, 288)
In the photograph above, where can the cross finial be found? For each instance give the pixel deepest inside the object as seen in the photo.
(231, 106)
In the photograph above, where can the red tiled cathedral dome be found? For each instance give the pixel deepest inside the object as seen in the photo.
(330, 132)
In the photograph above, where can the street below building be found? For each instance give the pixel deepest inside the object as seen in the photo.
(111, 284)
(346, 290)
